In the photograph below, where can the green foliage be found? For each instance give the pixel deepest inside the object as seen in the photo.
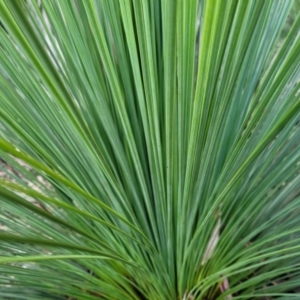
(292, 16)
(149, 149)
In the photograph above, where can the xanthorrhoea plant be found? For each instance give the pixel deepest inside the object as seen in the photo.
(150, 149)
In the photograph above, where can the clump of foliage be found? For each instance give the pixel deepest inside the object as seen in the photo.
(149, 150)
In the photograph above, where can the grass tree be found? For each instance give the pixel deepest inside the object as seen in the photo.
(149, 150)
